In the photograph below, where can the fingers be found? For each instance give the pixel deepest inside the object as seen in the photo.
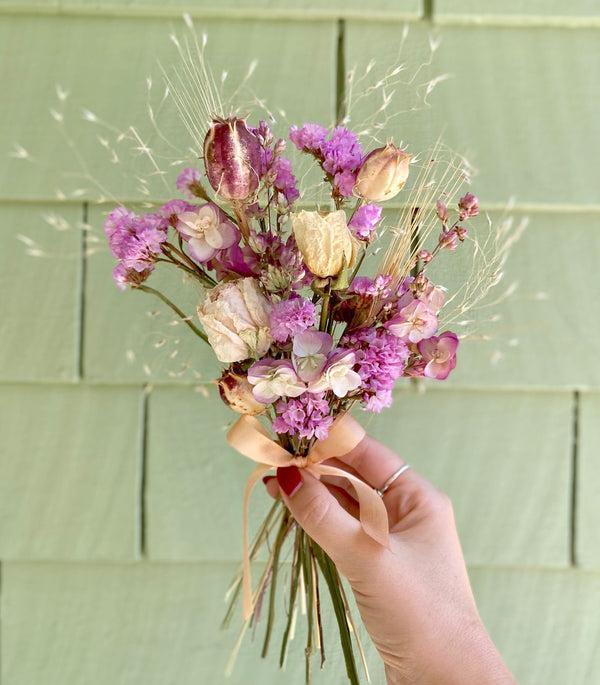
(338, 487)
(319, 513)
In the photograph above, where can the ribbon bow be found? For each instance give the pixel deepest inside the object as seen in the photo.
(251, 439)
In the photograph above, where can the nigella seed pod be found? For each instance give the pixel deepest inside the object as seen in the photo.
(382, 174)
(236, 393)
(232, 158)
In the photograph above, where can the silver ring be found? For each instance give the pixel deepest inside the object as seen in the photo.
(386, 486)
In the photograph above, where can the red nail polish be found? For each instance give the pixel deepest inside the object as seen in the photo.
(266, 479)
(289, 479)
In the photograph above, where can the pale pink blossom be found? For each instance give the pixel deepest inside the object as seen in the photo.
(413, 322)
(439, 355)
(206, 231)
(274, 378)
(309, 354)
(338, 375)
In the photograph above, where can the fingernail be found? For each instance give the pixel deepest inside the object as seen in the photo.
(266, 479)
(289, 479)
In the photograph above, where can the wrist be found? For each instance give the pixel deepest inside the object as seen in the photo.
(470, 658)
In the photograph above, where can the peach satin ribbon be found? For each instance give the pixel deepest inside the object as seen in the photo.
(250, 438)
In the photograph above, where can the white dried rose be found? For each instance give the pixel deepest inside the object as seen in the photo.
(235, 317)
(324, 241)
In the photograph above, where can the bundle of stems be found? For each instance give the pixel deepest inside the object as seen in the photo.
(310, 572)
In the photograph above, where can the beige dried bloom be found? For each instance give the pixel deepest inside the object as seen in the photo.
(235, 317)
(325, 241)
(382, 174)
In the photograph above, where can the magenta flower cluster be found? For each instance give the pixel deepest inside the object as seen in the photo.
(339, 153)
(365, 220)
(380, 360)
(308, 416)
(136, 241)
(290, 317)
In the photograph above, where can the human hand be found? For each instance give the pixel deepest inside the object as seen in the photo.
(414, 598)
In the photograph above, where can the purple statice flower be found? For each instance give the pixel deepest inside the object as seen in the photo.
(341, 151)
(186, 180)
(290, 317)
(380, 358)
(344, 182)
(285, 181)
(365, 220)
(308, 138)
(342, 155)
(136, 241)
(307, 416)
(369, 287)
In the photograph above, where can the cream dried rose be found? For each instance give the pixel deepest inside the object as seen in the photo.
(235, 316)
(325, 241)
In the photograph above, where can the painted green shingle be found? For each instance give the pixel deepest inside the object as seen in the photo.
(506, 110)
(545, 623)
(40, 264)
(265, 9)
(517, 340)
(518, 12)
(89, 624)
(101, 66)
(588, 482)
(69, 472)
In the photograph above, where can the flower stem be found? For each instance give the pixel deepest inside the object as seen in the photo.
(281, 535)
(175, 308)
(188, 265)
(325, 308)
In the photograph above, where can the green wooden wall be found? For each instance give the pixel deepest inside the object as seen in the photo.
(119, 501)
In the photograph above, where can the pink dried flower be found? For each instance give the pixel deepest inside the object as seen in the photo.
(413, 322)
(448, 240)
(461, 232)
(439, 354)
(187, 179)
(442, 211)
(468, 206)
(306, 417)
(172, 207)
(309, 354)
(380, 360)
(338, 374)
(365, 220)
(274, 378)
(369, 287)
(135, 240)
(290, 317)
(309, 137)
(206, 230)
(425, 256)
(232, 157)
(285, 181)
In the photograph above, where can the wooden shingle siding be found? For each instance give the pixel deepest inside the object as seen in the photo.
(120, 503)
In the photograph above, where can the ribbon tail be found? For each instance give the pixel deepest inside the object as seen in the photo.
(248, 599)
(372, 511)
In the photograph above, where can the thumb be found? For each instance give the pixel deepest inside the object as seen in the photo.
(319, 513)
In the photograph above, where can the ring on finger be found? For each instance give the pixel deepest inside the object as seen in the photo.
(386, 486)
